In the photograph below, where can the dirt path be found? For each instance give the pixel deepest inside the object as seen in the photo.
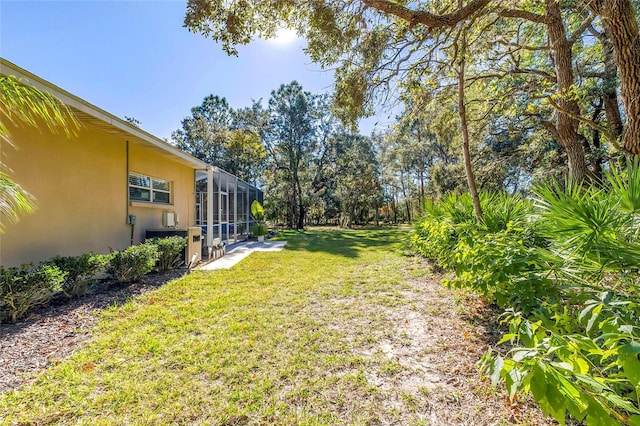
(423, 353)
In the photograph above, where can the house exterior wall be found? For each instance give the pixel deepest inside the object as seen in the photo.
(149, 215)
(81, 189)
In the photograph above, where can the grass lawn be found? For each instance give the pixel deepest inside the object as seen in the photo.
(323, 332)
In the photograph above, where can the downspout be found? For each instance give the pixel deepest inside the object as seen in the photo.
(210, 207)
(128, 219)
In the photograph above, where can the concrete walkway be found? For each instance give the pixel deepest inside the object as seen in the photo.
(239, 251)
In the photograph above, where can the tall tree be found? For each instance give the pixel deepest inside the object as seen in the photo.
(290, 141)
(621, 22)
(357, 176)
(205, 133)
(218, 135)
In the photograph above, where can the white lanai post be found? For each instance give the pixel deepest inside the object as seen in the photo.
(220, 210)
(235, 212)
(210, 208)
(247, 195)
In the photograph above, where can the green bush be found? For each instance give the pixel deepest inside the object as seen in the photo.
(132, 263)
(170, 252)
(259, 229)
(566, 270)
(497, 256)
(437, 233)
(80, 271)
(503, 268)
(25, 288)
(580, 359)
(579, 353)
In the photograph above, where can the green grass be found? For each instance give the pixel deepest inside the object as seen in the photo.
(274, 340)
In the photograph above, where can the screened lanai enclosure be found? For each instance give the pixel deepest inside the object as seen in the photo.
(223, 206)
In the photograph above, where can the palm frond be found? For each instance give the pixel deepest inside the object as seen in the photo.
(21, 104)
(25, 105)
(14, 200)
(626, 186)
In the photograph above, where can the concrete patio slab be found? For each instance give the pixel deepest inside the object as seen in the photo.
(239, 251)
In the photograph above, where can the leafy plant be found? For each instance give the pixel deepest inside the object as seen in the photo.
(132, 263)
(578, 354)
(592, 372)
(257, 211)
(503, 268)
(170, 252)
(259, 229)
(25, 288)
(497, 256)
(79, 270)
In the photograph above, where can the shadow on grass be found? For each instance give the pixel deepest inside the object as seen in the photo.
(343, 242)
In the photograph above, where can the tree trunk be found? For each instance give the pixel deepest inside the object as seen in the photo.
(462, 111)
(567, 127)
(404, 195)
(619, 17)
(395, 208)
(596, 154)
(610, 95)
(301, 207)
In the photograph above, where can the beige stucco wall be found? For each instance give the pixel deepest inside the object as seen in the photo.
(148, 215)
(81, 188)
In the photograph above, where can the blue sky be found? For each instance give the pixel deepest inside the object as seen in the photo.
(134, 58)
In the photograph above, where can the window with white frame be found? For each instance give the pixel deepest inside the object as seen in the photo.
(149, 189)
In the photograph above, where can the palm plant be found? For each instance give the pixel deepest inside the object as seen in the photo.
(594, 228)
(578, 352)
(21, 104)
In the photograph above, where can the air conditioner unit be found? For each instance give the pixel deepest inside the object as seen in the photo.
(169, 219)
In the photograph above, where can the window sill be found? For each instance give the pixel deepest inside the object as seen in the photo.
(150, 205)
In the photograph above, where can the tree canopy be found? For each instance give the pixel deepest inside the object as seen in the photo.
(380, 46)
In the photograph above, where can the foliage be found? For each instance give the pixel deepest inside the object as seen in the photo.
(133, 121)
(170, 252)
(27, 287)
(581, 361)
(291, 141)
(132, 263)
(498, 256)
(79, 270)
(567, 273)
(14, 200)
(257, 211)
(579, 351)
(217, 134)
(259, 229)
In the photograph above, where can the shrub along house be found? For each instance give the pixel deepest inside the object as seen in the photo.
(108, 184)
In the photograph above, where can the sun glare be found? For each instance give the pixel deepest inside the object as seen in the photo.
(284, 36)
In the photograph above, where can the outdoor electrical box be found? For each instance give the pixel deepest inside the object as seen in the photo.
(131, 219)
